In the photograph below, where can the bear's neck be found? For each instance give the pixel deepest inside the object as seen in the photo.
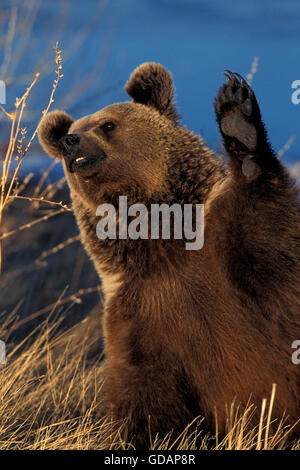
(193, 170)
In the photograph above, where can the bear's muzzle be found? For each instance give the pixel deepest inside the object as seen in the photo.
(77, 160)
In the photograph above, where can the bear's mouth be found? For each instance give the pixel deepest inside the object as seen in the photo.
(80, 162)
(83, 164)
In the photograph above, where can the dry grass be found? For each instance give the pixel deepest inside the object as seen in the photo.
(50, 387)
(51, 399)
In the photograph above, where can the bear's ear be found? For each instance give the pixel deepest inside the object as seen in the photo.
(54, 126)
(151, 84)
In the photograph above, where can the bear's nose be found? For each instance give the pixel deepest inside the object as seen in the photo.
(68, 141)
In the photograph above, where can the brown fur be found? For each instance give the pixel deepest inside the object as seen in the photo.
(188, 331)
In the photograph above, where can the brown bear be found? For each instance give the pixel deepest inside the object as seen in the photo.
(188, 331)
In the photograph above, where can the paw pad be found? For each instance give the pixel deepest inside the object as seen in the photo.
(237, 109)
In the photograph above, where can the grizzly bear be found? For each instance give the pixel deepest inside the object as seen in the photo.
(187, 332)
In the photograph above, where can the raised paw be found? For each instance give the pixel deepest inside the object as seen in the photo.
(240, 123)
(238, 114)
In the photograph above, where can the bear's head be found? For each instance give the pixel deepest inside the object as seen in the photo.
(121, 149)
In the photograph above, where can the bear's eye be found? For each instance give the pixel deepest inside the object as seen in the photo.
(108, 126)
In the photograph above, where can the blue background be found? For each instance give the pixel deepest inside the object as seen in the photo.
(195, 40)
